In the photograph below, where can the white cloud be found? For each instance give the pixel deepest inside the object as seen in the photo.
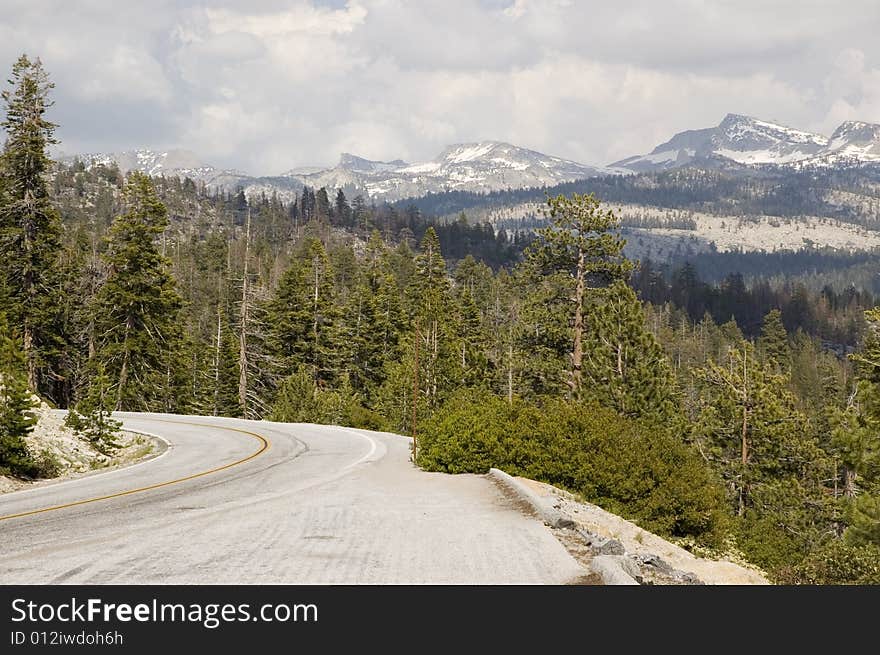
(854, 90)
(271, 85)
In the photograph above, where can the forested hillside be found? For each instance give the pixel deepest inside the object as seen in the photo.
(698, 409)
(849, 194)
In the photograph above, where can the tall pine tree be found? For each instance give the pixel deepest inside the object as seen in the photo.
(303, 318)
(137, 309)
(29, 224)
(17, 419)
(578, 253)
(624, 364)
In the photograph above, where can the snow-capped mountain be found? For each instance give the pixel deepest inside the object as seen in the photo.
(741, 139)
(483, 166)
(183, 164)
(853, 143)
(741, 143)
(151, 162)
(745, 141)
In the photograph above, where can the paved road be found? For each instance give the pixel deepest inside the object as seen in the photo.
(294, 504)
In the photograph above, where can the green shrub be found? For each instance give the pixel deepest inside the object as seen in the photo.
(47, 465)
(467, 435)
(632, 468)
(836, 563)
(365, 419)
(765, 543)
(864, 521)
(300, 400)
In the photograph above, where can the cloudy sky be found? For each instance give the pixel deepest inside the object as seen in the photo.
(268, 85)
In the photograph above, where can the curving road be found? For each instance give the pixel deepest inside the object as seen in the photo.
(252, 502)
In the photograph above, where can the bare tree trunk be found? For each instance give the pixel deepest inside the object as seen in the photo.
(29, 355)
(27, 287)
(510, 373)
(123, 372)
(217, 363)
(849, 482)
(93, 349)
(315, 266)
(744, 435)
(577, 355)
(242, 339)
(435, 339)
(415, 397)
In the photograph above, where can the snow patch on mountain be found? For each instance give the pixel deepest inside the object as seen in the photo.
(749, 141)
(483, 166)
(741, 139)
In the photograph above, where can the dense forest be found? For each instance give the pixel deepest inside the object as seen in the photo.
(849, 195)
(736, 418)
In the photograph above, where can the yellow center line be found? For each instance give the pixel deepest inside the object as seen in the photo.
(264, 445)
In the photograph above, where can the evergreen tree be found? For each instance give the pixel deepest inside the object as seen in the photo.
(136, 310)
(773, 343)
(360, 215)
(855, 436)
(624, 365)
(17, 419)
(579, 253)
(303, 318)
(749, 423)
(29, 224)
(428, 367)
(342, 210)
(751, 430)
(322, 204)
(374, 322)
(225, 400)
(307, 204)
(429, 300)
(471, 343)
(92, 416)
(864, 519)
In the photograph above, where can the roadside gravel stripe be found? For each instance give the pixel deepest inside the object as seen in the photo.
(609, 568)
(545, 511)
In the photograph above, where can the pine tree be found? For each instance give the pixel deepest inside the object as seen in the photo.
(864, 520)
(623, 364)
(225, 398)
(773, 342)
(302, 316)
(300, 400)
(322, 204)
(429, 364)
(471, 343)
(17, 419)
(429, 300)
(750, 427)
(762, 445)
(855, 436)
(29, 224)
(136, 310)
(360, 216)
(307, 204)
(373, 325)
(579, 253)
(92, 416)
(342, 210)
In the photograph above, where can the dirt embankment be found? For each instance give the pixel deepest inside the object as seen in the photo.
(51, 440)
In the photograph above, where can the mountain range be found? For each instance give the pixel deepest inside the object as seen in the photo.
(740, 142)
(750, 142)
